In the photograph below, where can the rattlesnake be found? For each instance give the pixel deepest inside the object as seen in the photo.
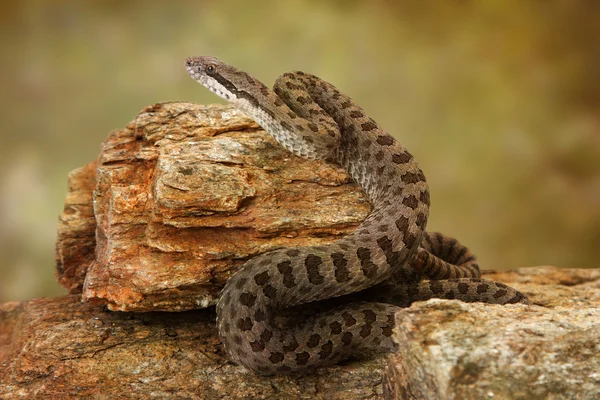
(384, 260)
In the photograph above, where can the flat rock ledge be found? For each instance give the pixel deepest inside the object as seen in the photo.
(176, 202)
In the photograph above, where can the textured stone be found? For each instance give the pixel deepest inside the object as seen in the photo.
(76, 240)
(64, 349)
(182, 197)
(550, 350)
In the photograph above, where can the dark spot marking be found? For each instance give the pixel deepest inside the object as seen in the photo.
(314, 340)
(409, 240)
(385, 140)
(365, 330)
(266, 335)
(313, 127)
(410, 177)
(302, 358)
(392, 257)
(312, 263)
(292, 115)
(270, 291)
(237, 339)
(370, 316)
(278, 102)
(500, 293)
(244, 324)
(462, 287)
(259, 315)
(346, 104)
(349, 320)
(299, 128)
(483, 288)
(347, 338)
(336, 328)
(402, 223)
(262, 278)
(366, 265)
(326, 350)
(276, 357)
(257, 346)
(401, 158)
(287, 271)
(368, 126)
(356, 114)
(247, 299)
(387, 330)
(342, 274)
(302, 100)
(411, 202)
(436, 287)
(293, 345)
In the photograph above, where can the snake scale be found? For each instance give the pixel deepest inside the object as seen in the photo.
(387, 263)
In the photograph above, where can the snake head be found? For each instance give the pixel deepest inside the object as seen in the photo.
(223, 79)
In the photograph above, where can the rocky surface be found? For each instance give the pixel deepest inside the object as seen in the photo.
(176, 202)
(65, 349)
(550, 350)
(181, 198)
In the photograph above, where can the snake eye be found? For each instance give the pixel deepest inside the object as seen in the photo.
(210, 68)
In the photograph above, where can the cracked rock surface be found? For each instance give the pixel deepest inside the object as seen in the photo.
(183, 196)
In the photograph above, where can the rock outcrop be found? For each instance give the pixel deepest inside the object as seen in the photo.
(176, 202)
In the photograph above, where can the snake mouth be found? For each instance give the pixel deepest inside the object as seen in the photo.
(195, 68)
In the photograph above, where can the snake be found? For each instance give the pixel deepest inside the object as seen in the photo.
(345, 293)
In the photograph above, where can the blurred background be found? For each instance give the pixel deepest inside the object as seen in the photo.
(499, 101)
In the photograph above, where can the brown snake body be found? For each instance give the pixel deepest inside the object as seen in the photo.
(384, 260)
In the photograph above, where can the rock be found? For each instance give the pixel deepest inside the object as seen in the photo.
(550, 350)
(182, 197)
(76, 241)
(64, 349)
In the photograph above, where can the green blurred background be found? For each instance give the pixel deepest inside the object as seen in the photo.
(499, 101)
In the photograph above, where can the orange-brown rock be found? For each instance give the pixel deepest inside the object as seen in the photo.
(181, 198)
(58, 349)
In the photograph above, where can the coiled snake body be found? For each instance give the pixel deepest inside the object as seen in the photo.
(386, 259)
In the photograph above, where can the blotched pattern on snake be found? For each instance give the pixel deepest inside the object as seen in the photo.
(389, 258)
